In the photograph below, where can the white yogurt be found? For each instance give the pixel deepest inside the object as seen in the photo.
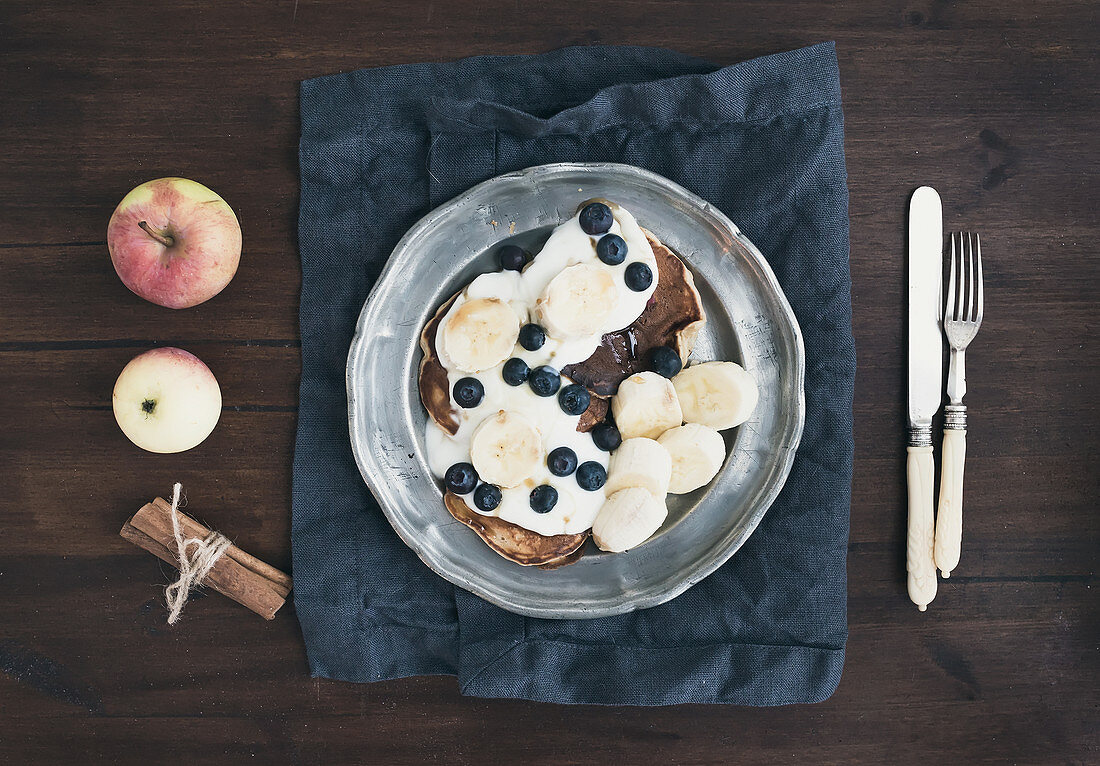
(568, 244)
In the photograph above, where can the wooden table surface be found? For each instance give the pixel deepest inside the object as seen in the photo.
(995, 104)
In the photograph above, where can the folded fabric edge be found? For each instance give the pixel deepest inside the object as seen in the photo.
(748, 92)
(574, 673)
(494, 61)
(384, 658)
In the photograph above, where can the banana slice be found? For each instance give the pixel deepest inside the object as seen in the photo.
(479, 334)
(627, 519)
(577, 302)
(646, 405)
(639, 462)
(697, 453)
(505, 449)
(716, 394)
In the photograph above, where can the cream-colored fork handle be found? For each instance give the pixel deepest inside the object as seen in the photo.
(918, 548)
(949, 515)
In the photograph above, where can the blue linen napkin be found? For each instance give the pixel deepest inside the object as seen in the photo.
(763, 141)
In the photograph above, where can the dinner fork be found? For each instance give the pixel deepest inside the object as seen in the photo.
(962, 316)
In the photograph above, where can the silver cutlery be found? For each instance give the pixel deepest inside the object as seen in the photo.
(962, 316)
(924, 392)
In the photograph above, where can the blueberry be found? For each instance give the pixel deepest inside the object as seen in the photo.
(468, 392)
(596, 218)
(611, 249)
(561, 461)
(532, 336)
(512, 258)
(515, 371)
(638, 277)
(574, 399)
(487, 497)
(606, 437)
(664, 360)
(545, 380)
(543, 498)
(591, 476)
(460, 478)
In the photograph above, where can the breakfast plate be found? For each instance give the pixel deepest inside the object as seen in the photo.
(748, 321)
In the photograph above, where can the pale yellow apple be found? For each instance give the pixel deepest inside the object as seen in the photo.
(166, 400)
(174, 242)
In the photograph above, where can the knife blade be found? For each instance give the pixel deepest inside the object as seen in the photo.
(925, 296)
(924, 389)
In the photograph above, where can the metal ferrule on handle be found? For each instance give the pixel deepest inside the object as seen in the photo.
(920, 436)
(954, 418)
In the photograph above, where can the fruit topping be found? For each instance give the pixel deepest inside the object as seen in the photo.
(665, 361)
(574, 399)
(611, 249)
(487, 497)
(460, 478)
(561, 461)
(543, 498)
(628, 519)
(646, 405)
(638, 277)
(717, 394)
(468, 392)
(641, 463)
(515, 371)
(512, 258)
(591, 476)
(544, 380)
(697, 453)
(480, 334)
(532, 336)
(596, 218)
(578, 301)
(506, 448)
(606, 437)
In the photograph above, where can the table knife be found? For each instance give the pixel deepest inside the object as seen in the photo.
(924, 389)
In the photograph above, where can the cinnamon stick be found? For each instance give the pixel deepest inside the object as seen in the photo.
(236, 574)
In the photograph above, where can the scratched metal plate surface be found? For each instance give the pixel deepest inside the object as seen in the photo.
(749, 321)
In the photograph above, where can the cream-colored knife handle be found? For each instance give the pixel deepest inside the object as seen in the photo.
(949, 520)
(918, 547)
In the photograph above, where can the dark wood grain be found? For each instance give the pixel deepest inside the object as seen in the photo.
(995, 104)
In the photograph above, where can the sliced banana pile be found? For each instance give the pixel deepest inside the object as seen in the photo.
(671, 444)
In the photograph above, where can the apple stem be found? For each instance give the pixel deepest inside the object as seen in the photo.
(165, 239)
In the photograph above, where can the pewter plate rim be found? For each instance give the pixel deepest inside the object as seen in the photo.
(379, 481)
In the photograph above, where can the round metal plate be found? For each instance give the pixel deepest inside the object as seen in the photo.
(749, 321)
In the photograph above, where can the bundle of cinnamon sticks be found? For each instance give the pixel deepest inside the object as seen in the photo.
(243, 578)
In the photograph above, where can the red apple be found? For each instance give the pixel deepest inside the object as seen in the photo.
(174, 242)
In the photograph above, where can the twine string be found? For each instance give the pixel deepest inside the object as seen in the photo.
(194, 566)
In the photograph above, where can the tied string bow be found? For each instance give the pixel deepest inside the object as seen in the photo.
(194, 566)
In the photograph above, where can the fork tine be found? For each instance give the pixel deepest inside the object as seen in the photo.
(972, 310)
(981, 286)
(964, 275)
(971, 292)
(949, 311)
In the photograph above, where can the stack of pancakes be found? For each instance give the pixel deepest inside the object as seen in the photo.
(674, 317)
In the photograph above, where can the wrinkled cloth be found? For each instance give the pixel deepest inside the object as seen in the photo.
(763, 141)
